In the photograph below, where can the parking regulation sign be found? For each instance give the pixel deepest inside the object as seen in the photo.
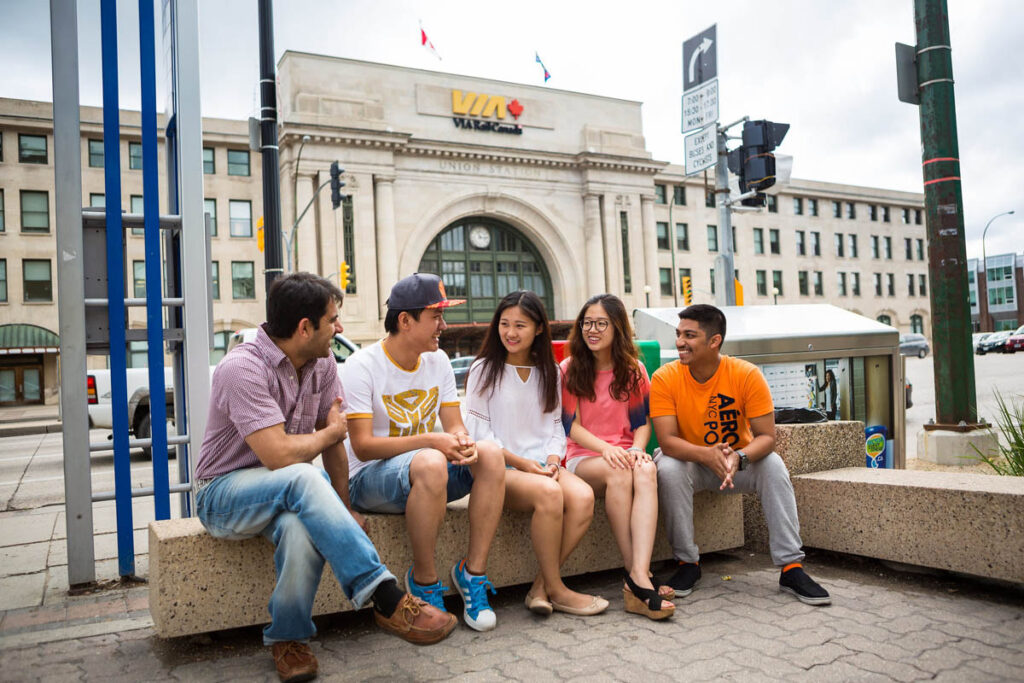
(700, 150)
(700, 106)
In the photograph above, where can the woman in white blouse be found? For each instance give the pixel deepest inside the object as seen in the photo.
(513, 399)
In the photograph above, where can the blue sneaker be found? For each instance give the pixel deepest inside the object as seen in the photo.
(473, 589)
(432, 594)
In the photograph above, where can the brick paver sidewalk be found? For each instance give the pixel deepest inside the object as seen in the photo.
(882, 625)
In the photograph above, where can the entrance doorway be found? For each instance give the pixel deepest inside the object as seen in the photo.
(21, 384)
(481, 260)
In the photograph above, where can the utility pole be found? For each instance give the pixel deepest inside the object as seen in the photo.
(273, 261)
(955, 401)
(725, 285)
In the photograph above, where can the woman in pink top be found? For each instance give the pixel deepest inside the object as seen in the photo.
(604, 410)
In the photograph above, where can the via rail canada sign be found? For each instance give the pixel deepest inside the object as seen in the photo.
(479, 111)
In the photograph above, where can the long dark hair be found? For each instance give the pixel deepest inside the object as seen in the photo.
(625, 358)
(493, 352)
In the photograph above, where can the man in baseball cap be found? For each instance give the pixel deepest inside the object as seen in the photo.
(420, 290)
(396, 390)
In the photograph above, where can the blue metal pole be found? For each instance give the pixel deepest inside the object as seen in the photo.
(115, 288)
(154, 286)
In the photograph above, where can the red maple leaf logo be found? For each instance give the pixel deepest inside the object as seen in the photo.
(515, 108)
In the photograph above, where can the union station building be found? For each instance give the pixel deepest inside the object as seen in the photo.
(495, 186)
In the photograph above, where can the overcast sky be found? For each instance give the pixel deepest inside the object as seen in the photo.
(824, 66)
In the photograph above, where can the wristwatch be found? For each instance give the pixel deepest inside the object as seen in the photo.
(743, 461)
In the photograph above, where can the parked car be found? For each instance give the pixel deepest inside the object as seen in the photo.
(1014, 343)
(994, 342)
(977, 338)
(913, 344)
(461, 367)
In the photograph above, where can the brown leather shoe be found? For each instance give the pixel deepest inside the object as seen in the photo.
(417, 622)
(295, 661)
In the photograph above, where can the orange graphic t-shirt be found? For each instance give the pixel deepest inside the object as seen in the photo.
(716, 411)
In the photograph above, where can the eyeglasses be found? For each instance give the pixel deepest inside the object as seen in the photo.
(601, 324)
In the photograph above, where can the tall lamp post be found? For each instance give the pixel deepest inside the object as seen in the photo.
(295, 194)
(775, 295)
(984, 262)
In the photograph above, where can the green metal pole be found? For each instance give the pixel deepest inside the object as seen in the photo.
(947, 249)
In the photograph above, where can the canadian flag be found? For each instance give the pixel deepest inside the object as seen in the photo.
(425, 42)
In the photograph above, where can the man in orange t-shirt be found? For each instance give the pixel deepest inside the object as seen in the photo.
(715, 422)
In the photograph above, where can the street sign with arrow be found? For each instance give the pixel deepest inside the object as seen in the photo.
(700, 60)
(700, 80)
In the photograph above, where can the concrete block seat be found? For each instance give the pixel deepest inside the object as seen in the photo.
(971, 523)
(199, 583)
(805, 448)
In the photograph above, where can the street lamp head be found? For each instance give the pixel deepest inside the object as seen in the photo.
(306, 138)
(647, 289)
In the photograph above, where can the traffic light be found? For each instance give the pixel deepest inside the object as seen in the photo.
(753, 162)
(259, 239)
(687, 290)
(336, 184)
(343, 276)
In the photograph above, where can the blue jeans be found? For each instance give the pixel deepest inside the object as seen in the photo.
(383, 485)
(298, 511)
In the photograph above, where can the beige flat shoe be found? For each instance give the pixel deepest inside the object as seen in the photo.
(596, 606)
(538, 605)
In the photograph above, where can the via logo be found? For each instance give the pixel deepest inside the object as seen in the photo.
(483, 105)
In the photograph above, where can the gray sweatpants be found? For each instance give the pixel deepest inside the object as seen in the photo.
(768, 477)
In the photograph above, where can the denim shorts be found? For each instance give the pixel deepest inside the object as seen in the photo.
(383, 485)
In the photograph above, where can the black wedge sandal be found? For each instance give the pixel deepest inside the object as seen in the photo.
(645, 601)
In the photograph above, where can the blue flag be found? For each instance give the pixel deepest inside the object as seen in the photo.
(547, 74)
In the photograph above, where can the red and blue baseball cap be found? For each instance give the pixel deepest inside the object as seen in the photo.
(420, 290)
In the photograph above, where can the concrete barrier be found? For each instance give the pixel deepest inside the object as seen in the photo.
(199, 583)
(971, 523)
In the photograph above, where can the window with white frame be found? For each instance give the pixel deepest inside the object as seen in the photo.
(240, 212)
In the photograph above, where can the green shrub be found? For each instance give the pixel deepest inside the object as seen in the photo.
(1009, 458)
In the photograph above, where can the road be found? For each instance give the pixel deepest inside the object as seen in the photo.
(32, 468)
(992, 372)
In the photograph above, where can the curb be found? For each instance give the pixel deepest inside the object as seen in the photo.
(27, 429)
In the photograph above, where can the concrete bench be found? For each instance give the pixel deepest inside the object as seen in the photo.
(199, 583)
(805, 448)
(971, 523)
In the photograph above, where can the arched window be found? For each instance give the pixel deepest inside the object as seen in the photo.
(884, 319)
(481, 260)
(917, 324)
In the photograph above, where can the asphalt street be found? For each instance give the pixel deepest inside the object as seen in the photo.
(992, 372)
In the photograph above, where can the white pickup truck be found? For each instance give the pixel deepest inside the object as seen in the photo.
(98, 386)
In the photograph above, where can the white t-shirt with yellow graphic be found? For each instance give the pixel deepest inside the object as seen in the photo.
(401, 402)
